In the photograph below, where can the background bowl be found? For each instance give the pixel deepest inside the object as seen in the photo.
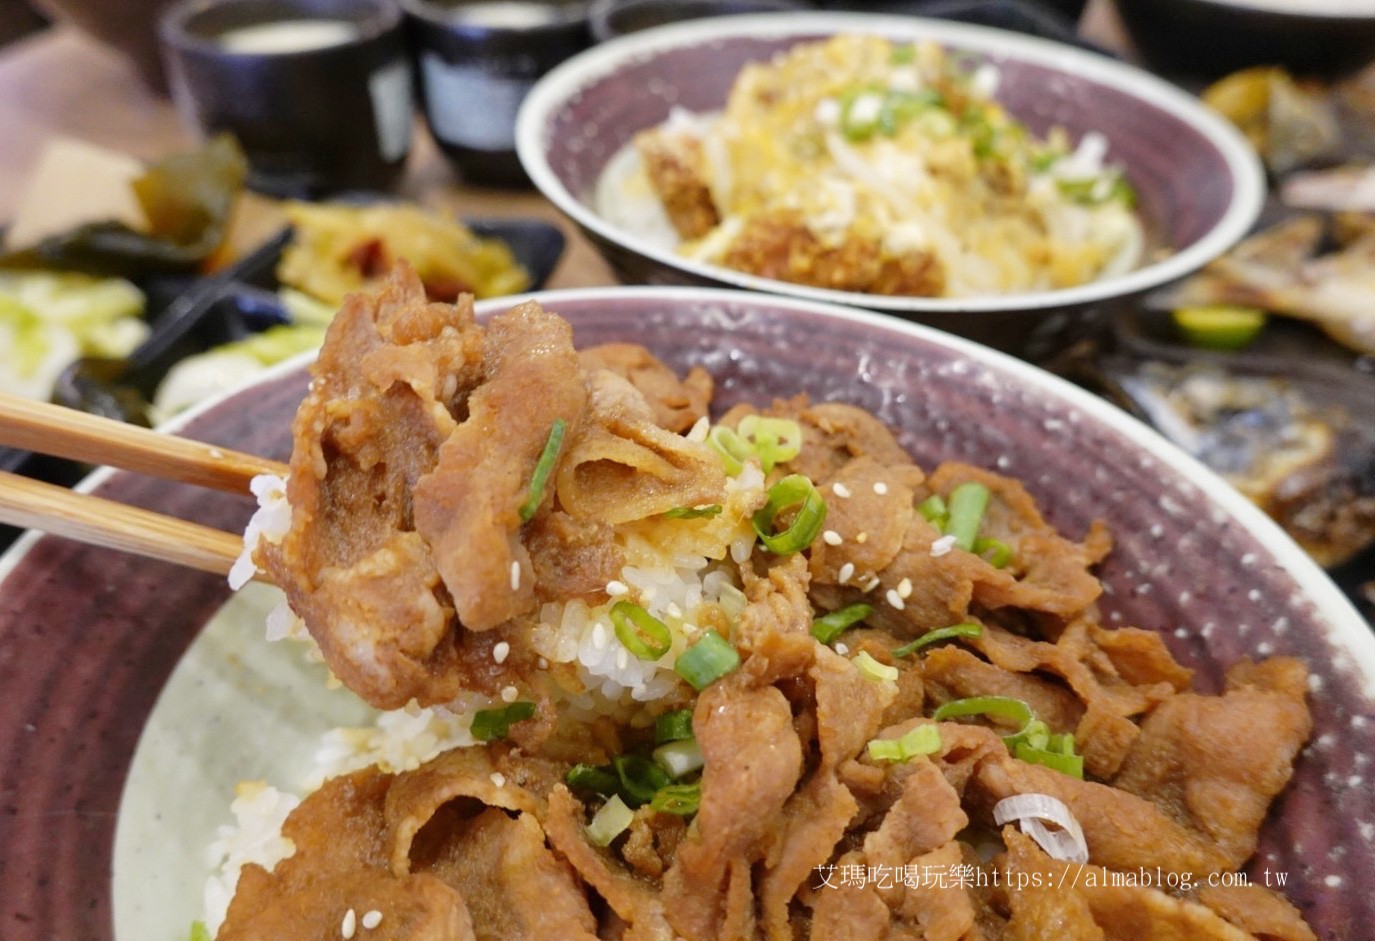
(1199, 183)
(89, 638)
(1209, 38)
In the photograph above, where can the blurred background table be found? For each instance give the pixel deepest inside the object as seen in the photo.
(58, 82)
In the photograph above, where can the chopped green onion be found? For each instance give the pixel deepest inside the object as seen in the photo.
(994, 551)
(639, 778)
(1057, 760)
(934, 511)
(693, 512)
(871, 668)
(1219, 326)
(640, 632)
(775, 440)
(938, 635)
(593, 779)
(922, 740)
(904, 54)
(968, 502)
(679, 758)
(829, 627)
(673, 726)
(732, 600)
(199, 932)
(733, 449)
(610, 822)
(542, 470)
(793, 490)
(1004, 707)
(859, 112)
(490, 725)
(706, 661)
(679, 799)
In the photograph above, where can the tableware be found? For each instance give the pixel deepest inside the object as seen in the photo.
(1209, 38)
(477, 60)
(1199, 183)
(612, 18)
(1193, 560)
(318, 92)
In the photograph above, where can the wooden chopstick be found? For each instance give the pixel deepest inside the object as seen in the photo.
(66, 432)
(35, 505)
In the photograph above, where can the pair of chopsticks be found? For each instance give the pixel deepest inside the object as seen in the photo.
(67, 433)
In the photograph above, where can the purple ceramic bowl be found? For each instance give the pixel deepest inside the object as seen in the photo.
(1199, 182)
(89, 637)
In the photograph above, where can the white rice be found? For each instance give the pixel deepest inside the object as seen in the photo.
(271, 521)
(255, 836)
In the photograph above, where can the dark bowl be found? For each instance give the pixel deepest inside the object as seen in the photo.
(612, 18)
(1199, 183)
(1209, 38)
(89, 638)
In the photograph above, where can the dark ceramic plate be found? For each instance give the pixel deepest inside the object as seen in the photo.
(88, 638)
(1182, 36)
(221, 309)
(1198, 182)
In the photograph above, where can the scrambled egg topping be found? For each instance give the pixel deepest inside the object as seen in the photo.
(861, 164)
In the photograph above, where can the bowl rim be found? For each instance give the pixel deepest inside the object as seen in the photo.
(1306, 13)
(567, 79)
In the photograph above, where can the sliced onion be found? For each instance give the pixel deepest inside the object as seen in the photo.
(1032, 811)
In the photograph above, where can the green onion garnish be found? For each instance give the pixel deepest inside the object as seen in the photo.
(639, 778)
(733, 449)
(706, 661)
(679, 759)
(938, 635)
(1004, 707)
(640, 632)
(1037, 745)
(829, 627)
(673, 726)
(968, 502)
(490, 725)
(679, 799)
(793, 490)
(592, 779)
(921, 740)
(775, 440)
(693, 512)
(934, 511)
(199, 932)
(610, 822)
(871, 668)
(904, 54)
(994, 551)
(543, 470)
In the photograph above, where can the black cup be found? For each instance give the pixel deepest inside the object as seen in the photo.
(317, 107)
(476, 61)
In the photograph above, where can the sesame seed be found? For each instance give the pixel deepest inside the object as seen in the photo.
(905, 588)
(841, 490)
(372, 919)
(672, 610)
(942, 546)
(350, 924)
(498, 779)
(831, 538)
(862, 538)
(615, 589)
(515, 576)
(509, 694)
(842, 649)
(543, 663)
(501, 651)
(894, 599)
(880, 487)
(847, 572)
(871, 584)
(216, 453)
